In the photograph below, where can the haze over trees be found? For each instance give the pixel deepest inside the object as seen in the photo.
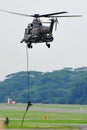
(65, 86)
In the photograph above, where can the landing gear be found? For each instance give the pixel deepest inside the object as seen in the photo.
(48, 45)
(29, 45)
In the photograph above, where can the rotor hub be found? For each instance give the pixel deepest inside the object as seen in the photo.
(36, 15)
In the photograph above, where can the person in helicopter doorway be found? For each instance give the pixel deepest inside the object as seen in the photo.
(27, 33)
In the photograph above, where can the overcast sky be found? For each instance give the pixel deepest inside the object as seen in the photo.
(69, 48)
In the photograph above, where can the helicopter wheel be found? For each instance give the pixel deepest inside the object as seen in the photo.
(29, 45)
(48, 45)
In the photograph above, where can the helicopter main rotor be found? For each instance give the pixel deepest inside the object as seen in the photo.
(50, 15)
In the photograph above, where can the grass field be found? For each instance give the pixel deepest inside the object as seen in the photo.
(62, 117)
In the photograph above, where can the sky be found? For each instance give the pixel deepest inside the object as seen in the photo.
(69, 48)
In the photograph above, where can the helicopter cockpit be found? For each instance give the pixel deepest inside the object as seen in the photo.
(36, 23)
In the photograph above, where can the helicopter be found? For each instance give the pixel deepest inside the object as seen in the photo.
(36, 32)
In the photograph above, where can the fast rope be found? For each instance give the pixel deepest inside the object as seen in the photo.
(28, 102)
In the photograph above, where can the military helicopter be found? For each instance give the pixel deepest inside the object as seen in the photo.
(36, 32)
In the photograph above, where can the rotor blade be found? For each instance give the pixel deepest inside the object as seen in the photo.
(48, 15)
(16, 13)
(66, 16)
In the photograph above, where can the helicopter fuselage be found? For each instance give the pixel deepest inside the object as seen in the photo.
(37, 33)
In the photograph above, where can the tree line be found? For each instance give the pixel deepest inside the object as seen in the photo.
(65, 86)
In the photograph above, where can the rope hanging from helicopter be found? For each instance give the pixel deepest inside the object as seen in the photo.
(28, 81)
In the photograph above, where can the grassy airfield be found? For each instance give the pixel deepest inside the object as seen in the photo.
(44, 116)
